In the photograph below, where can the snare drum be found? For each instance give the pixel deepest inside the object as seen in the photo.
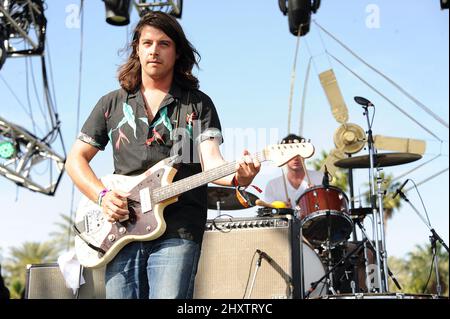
(322, 209)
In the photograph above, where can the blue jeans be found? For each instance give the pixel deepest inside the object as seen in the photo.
(160, 269)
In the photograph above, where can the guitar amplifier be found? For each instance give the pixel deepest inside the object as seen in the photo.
(255, 258)
(45, 281)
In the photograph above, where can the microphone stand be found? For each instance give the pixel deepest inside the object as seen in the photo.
(258, 264)
(341, 261)
(354, 235)
(382, 286)
(326, 184)
(366, 258)
(433, 238)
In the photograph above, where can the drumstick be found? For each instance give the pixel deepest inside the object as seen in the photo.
(275, 204)
(285, 186)
(263, 203)
(306, 171)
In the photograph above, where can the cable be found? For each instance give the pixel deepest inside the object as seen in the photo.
(429, 178)
(15, 96)
(27, 88)
(47, 127)
(80, 69)
(429, 275)
(293, 73)
(52, 92)
(423, 205)
(249, 274)
(415, 168)
(303, 106)
(420, 104)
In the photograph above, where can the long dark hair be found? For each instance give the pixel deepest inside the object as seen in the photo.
(129, 74)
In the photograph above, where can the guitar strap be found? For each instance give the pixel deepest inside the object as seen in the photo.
(98, 249)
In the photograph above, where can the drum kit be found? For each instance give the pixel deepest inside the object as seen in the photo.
(342, 268)
(333, 266)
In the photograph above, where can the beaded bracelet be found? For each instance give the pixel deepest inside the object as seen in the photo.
(101, 195)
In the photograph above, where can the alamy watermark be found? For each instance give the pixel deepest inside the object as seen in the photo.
(73, 20)
(373, 19)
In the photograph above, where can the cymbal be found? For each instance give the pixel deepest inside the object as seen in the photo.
(227, 198)
(380, 160)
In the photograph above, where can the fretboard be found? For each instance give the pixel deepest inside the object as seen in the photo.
(179, 187)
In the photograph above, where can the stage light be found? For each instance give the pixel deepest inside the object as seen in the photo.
(172, 7)
(2, 54)
(7, 150)
(299, 14)
(117, 12)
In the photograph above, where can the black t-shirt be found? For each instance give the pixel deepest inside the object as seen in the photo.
(184, 119)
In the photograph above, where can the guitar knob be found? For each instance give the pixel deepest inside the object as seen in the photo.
(148, 228)
(122, 230)
(111, 237)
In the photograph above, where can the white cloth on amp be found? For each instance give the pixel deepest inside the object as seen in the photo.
(70, 268)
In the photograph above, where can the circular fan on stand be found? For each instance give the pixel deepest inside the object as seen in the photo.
(349, 138)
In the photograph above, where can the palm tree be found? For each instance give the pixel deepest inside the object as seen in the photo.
(390, 204)
(63, 238)
(28, 253)
(416, 273)
(340, 179)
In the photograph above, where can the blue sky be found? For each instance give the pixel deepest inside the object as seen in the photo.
(247, 57)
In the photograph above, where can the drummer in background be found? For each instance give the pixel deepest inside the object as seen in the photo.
(294, 179)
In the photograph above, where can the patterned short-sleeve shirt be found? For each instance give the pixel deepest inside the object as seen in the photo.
(184, 119)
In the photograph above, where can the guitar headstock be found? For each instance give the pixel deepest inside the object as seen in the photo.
(280, 154)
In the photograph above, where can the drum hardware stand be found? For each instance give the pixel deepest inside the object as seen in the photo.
(332, 269)
(352, 198)
(326, 184)
(377, 213)
(298, 238)
(383, 252)
(366, 261)
(288, 279)
(433, 238)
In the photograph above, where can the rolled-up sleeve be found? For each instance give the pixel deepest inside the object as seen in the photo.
(94, 130)
(210, 123)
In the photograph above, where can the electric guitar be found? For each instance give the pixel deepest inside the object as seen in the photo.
(97, 240)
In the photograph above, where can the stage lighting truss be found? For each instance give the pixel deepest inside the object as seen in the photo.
(172, 7)
(22, 27)
(30, 157)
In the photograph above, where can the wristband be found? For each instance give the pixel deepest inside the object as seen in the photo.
(101, 195)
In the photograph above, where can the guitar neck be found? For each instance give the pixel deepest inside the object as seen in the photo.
(197, 180)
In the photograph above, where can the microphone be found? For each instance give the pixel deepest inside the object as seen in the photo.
(399, 190)
(264, 255)
(363, 101)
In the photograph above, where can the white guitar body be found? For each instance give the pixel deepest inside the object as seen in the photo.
(101, 233)
(97, 241)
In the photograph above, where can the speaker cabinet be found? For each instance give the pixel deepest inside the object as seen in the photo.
(249, 258)
(45, 281)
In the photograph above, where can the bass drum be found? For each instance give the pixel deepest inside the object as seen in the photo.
(313, 271)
